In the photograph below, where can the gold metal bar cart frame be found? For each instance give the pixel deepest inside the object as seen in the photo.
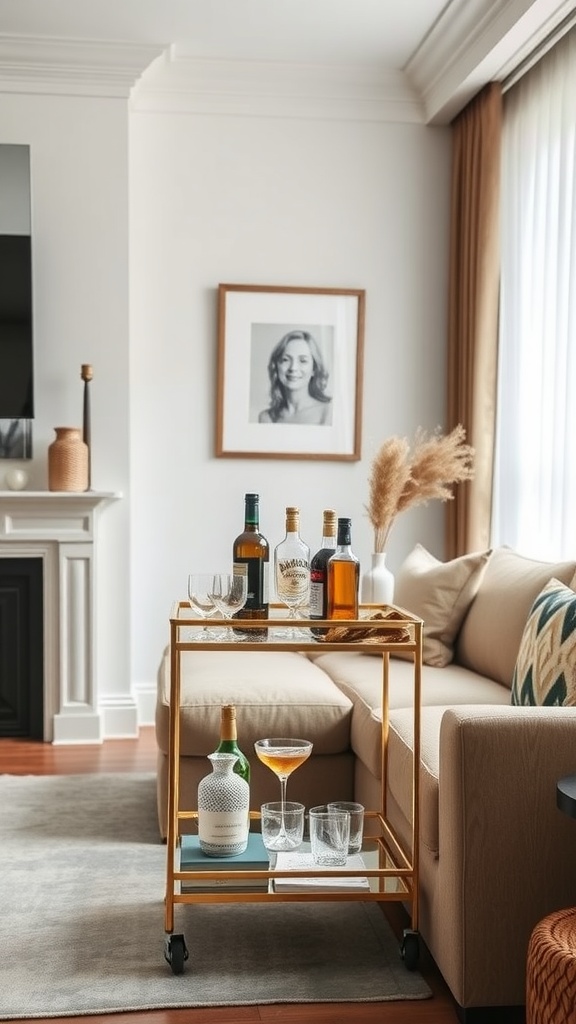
(396, 877)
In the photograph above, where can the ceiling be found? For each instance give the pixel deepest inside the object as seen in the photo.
(437, 53)
(319, 31)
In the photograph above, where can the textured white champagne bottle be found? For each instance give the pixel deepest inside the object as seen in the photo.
(223, 809)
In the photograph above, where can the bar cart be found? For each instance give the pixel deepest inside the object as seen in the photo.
(392, 869)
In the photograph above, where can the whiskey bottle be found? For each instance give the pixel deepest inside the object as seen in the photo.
(251, 555)
(229, 741)
(292, 565)
(343, 576)
(319, 570)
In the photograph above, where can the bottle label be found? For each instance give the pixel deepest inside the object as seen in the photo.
(293, 578)
(316, 595)
(222, 828)
(258, 574)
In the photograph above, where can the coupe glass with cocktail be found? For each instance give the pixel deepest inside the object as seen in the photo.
(283, 756)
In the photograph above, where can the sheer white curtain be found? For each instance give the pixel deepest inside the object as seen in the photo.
(535, 465)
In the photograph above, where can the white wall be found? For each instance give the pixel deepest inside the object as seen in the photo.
(282, 201)
(79, 178)
(182, 202)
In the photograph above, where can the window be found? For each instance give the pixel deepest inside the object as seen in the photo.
(535, 461)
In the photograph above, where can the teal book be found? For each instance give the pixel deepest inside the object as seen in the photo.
(254, 858)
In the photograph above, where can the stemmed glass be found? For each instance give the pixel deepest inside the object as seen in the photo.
(283, 756)
(229, 592)
(293, 590)
(199, 587)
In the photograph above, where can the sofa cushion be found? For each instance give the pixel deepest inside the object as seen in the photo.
(400, 745)
(453, 684)
(545, 671)
(276, 694)
(360, 679)
(489, 640)
(440, 593)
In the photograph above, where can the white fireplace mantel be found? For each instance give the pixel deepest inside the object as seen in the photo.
(61, 529)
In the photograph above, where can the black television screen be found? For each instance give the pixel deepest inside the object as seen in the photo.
(16, 355)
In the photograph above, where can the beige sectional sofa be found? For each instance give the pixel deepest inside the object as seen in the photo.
(495, 853)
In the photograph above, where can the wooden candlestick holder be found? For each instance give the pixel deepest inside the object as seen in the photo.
(86, 375)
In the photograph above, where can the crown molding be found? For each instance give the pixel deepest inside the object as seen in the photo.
(471, 43)
(72, 67)
(474, 42)
(180, 82)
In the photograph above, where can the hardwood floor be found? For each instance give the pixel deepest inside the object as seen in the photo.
(23, 757)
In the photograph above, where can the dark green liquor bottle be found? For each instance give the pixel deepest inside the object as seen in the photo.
(251, 554)
(229, 741)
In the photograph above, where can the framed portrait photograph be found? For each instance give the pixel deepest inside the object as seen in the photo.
(289, 365)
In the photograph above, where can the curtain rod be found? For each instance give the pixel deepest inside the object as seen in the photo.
(540, 51)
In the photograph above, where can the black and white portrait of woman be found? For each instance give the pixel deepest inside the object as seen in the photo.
(297, 375)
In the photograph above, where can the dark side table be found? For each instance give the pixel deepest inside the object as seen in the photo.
(566, 795)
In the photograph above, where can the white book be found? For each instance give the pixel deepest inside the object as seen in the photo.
(302, 861)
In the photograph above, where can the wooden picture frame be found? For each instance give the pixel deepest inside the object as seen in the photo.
(289, 367)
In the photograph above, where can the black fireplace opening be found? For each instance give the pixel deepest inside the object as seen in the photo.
(21, 648)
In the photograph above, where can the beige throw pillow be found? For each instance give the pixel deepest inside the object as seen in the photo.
(440, 593)
(489, 640)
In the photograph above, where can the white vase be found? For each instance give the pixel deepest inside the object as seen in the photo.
(378, 583)
(223, 806)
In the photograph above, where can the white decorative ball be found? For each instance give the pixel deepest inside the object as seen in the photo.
(16, 479)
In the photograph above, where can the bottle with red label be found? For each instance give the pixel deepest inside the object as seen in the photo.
(319, 570)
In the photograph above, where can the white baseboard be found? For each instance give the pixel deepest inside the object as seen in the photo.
(119, 717)
(145, 697)
(116, 718)
(84, 727)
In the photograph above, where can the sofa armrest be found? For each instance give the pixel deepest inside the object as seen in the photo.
(507, 855)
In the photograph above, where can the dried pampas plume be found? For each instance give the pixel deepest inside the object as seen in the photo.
(402, 477)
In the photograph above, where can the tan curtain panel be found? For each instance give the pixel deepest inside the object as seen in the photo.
(473, 310)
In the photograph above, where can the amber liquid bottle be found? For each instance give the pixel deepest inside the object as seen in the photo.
(251, 554)
(229, 741)
(343, 576)
(319, 570)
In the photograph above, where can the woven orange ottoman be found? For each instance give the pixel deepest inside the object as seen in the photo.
(551, 970)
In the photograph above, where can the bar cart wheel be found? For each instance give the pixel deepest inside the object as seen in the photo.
(176, 953)
(410, 949)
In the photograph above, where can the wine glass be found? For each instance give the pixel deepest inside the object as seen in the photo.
(199, 587)
(283, 756)
(292, 589)
(229, 592)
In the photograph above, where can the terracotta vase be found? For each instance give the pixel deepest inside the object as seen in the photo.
(68, 461)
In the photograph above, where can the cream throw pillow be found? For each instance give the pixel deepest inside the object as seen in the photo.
(489, 640)
(440, 593)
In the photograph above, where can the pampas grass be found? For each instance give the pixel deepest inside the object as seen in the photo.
(403, 476)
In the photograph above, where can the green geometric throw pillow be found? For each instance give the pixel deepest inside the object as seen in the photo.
(545, 672)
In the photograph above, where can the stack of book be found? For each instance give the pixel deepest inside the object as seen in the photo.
(301, 860)
(254, 858)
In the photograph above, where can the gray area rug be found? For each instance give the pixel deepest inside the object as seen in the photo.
(82, 877)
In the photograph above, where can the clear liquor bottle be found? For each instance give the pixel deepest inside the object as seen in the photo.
(343, 576)
(292, 565)
(319, 570)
